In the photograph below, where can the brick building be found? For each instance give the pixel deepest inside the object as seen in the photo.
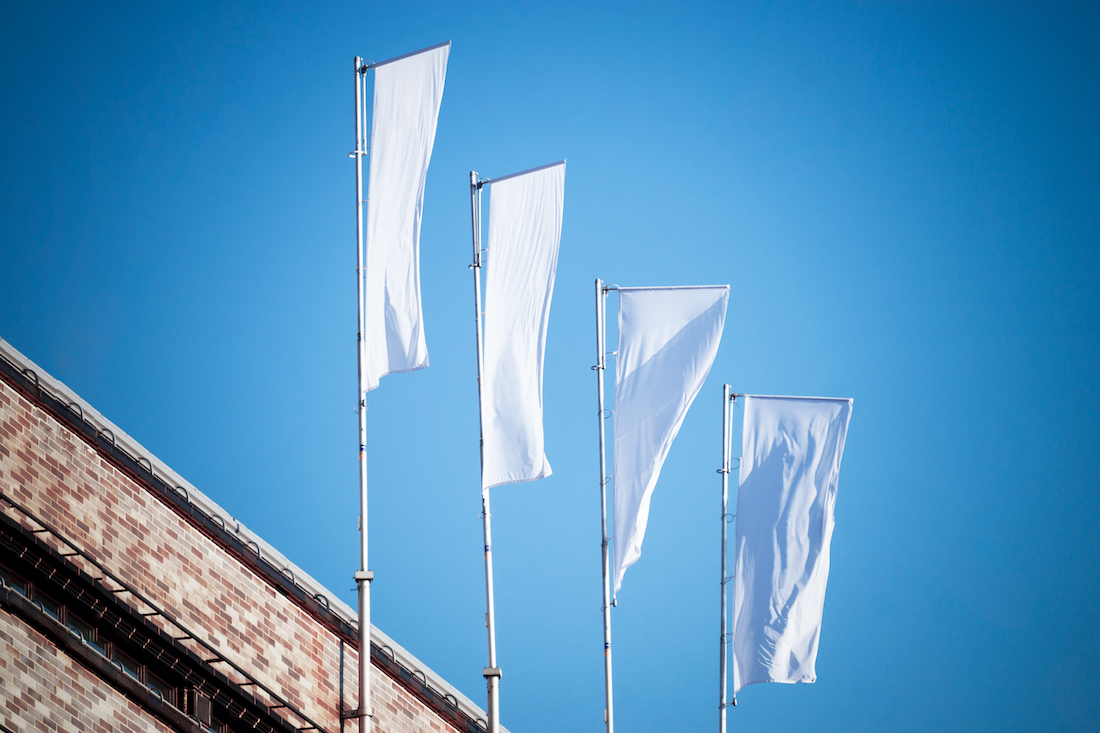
(132, 602)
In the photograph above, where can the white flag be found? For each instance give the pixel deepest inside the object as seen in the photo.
(667, 341)
(790, 464)
(525, 212)
(407, 93)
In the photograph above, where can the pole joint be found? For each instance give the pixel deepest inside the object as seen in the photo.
(352, 714)
(492, 672)
(364, 576)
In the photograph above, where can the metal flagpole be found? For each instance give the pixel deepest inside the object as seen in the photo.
(601, 353)
(491, 673)
(363, 577)
(725, 471)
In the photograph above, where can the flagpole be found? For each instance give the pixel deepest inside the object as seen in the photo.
(491, 673)
(725, 471)
(363, 577)
(601, 352)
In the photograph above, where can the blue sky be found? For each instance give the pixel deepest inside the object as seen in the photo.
(902, 196)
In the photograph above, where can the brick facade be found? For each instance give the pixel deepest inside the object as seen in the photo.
(43, 689)
(66, 482)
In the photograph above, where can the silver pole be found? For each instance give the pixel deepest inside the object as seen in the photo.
(601, 351)
(363, 577)
(491, 673)
(725, 471)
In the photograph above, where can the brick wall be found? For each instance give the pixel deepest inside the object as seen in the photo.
(66, 483)
(43, 689)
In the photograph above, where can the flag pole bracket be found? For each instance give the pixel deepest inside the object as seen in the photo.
(354, 713)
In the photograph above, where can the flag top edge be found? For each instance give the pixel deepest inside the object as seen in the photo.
(849, 400)
(411, 53)
(674, 287)
(523, 173)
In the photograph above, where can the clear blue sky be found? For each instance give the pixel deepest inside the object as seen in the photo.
(904, 198)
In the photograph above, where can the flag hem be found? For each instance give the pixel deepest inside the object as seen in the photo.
(523, 173)
(794, 397)
(378, 379)
(519, 480)
(411, 53)
(801, 681)
(673, 287)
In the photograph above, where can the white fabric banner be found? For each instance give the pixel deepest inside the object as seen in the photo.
(790, 465)
(525, 213)
(667, 341)
(407, 93)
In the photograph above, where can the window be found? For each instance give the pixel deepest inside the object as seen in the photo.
(159, 685)
(87, 632)
(14, 581)
(129, 666)
(49, 605)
